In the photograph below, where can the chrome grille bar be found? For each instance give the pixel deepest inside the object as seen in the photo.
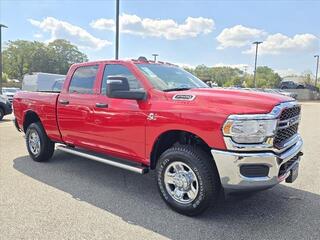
(287, 126)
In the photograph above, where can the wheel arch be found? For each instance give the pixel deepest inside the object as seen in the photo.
(29, 118)
(174, 137)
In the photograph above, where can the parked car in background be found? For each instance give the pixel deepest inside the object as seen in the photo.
(281, 92)
(5, 106)
(9, 92)
(285, 84)
(272, 90)
(40, 82)
(311, 87)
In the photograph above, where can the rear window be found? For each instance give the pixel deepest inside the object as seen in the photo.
(83, 80)
(57, 86)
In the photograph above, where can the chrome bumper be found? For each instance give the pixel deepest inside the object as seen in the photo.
(229, 163)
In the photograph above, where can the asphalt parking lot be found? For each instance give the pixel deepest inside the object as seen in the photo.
(74, 198)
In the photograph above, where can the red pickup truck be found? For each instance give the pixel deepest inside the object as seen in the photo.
(142, 115)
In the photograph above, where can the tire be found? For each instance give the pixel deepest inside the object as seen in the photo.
(204, 185)
(1, 114)
(39, 146)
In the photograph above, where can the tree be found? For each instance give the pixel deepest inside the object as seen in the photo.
(21, 57)
(17, 58)
(307, 77)
(4, 77)
(223, 76)
(227, 76)
(62, 54)
(267, 78)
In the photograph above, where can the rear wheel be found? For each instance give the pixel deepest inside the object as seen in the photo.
(39, 146)
(187, 179)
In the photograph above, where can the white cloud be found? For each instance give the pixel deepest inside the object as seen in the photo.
(166, 28)
(38, 35)
(279, 43)
(238, 36)
(73, 33)
(103, 24)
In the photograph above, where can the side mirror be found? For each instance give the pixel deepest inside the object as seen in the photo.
(118, 87)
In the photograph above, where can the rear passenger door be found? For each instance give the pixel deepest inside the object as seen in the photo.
(76, 105)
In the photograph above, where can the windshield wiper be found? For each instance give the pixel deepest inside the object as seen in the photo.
(176, 89)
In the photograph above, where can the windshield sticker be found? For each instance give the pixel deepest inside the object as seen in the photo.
(184, 97)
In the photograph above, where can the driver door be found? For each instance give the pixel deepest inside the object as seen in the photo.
(121, 123)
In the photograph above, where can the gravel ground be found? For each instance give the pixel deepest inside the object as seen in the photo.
(74, 198)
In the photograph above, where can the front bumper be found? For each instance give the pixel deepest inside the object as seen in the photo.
(229, 163)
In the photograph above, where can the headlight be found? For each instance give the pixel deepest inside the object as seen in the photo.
(249, 130)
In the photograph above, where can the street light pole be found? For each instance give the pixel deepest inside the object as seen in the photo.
(117, 29)
(1, 26)
(255, 64)
(155, 56)
(317, 68)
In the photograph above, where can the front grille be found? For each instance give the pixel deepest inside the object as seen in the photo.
(290, 113)
(287, 130)
(285, 134)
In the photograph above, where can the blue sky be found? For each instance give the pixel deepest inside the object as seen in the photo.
(189, 32)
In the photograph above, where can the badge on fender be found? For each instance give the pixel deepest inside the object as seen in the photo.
(183, 97)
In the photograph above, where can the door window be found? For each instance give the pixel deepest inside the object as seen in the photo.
(83, 80)
(118, 70)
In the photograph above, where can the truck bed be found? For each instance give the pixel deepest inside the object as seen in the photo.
(44, 104)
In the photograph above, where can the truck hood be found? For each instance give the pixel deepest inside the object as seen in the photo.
(231, 101)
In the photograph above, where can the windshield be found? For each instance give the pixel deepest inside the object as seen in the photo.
(166, 77)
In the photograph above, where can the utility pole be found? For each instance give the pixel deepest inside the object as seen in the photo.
(317, 68)
(1, 26)
(155, 56)
(255, 63)
(117, 29)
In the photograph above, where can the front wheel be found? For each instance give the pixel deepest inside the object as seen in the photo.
(187, 179)
(39, 146)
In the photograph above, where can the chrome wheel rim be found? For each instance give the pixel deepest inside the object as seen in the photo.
(181, 182)
(34, 142)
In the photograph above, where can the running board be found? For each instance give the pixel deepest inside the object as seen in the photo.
(99, 158)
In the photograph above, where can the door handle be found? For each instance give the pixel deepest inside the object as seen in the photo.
(64, 102)
(101, 105)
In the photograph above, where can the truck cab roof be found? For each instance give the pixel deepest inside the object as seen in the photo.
(140, 60)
